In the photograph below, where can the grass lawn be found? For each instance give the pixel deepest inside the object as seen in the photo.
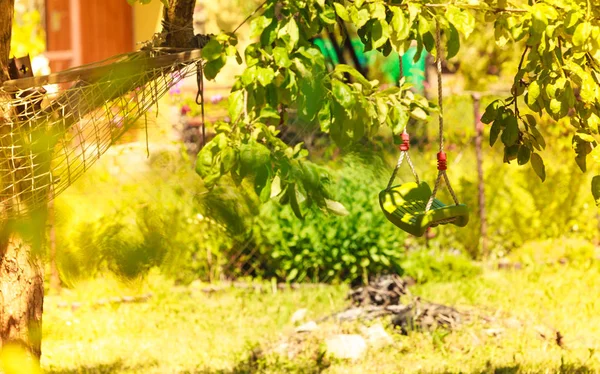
(187, 330)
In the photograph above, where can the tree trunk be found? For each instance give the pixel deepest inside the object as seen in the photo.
(178, 22)
(21, 271)
(21, 292)
(6, 16)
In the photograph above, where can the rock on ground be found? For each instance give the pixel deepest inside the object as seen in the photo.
(346, 346)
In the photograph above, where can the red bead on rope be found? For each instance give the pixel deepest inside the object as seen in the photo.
(442, 161)
(405, 142)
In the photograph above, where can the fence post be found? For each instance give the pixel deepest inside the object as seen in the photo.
(480, 178)
(54, 274)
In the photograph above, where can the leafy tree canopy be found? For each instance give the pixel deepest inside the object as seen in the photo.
(558, 75)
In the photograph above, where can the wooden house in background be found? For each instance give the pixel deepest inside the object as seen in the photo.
(84, 31)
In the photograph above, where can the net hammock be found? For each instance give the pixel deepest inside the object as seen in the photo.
(53, 128)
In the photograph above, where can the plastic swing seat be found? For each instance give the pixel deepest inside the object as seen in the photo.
(405, 206)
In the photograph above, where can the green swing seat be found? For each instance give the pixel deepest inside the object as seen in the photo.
(404, 205)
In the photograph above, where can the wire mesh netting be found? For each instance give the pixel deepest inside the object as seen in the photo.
(53, 128)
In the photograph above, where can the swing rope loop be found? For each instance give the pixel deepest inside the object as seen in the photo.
(404, 147)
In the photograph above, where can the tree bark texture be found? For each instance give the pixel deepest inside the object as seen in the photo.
(6, 16)
(21, 271)
(21, 293)
(178, 23)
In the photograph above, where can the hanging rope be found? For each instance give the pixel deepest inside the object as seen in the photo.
(405, 146)
(441, 156)
(200, 98)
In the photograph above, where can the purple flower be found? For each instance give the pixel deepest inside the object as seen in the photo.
(215, 99)
(176, 87)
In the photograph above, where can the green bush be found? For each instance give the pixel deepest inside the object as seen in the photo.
(331, 248)
(438, 266)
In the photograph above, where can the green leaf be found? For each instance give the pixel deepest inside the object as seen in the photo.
(380, 33)
(275, 187)
(265, 76)
(538, 166)
(399, 24)
(204, 160)
(510, 135)
(254, 156)
(494, 132)
(530, 120)
(291, 31)
(228, 160)
(292, 275)
(596, 189)
(328, 16)
(258, 25)
(491, 112)
(269, 34)
(428, 42)
(423, 26)
(462, 20)
(555, 106)
(595, 154)
(418, 113)
(524, 155)
(533, 92)
(311, 95)
(212, 50)
(345, 69)
(262, 184)
(453, 42)
(342, 93)
(336, 208)
(212, 68)
(342, 12)
(359, 17)
(538, 136)
(281, 57)
(236, 104)
(540, 19)
(293, 199)
(582, 33)
(511, 153)
(268, 112)
(582, 149)
(377, 11)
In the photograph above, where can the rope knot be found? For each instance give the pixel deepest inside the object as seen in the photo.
(405, 146)
(442, 161)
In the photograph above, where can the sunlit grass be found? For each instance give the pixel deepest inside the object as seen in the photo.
(186, 330)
